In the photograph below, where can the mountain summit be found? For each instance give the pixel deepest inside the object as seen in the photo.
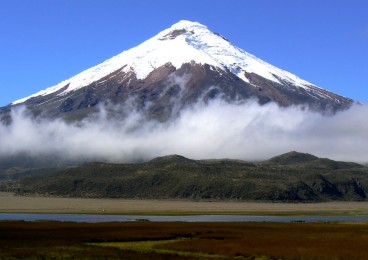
(181, 65)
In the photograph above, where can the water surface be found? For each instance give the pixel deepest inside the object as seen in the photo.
(90, 218)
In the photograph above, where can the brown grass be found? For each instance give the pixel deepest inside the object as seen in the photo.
(247, 240)
(12, 203)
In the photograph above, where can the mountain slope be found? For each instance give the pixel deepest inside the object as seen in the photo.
(183, 64)
(293, 158)
(308, 160)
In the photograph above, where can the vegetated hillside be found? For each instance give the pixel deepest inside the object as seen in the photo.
(308, 160)
(293, 177)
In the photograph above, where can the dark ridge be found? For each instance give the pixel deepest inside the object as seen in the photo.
(223, 37)
(226, 161)
(331, 164)
(174, 158)
(172, 35)
(293, 158)
(308, 160)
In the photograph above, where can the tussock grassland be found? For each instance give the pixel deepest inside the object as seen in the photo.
(180, 240)
(34, 204)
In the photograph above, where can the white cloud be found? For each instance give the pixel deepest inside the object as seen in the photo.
(216, 130)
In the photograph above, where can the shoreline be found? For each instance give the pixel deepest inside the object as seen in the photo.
(10, 203)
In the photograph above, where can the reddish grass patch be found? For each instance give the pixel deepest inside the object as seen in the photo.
(275, 240)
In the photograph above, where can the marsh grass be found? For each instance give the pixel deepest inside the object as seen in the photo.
(158, 246)
(181, 240)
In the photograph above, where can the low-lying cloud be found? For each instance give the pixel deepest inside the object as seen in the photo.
(245, 131)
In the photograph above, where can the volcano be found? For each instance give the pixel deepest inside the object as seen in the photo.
(182, 65)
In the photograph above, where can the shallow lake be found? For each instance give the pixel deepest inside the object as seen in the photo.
(196, 218)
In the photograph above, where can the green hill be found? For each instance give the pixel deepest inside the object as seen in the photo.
(293, 177)
(308, 160)
(293, 158)
(172, 159)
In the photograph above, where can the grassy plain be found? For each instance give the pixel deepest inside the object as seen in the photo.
(36, 204)
(180, 240)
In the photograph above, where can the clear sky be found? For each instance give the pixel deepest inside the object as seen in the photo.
(43, 42)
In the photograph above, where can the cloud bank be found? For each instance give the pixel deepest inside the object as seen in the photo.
(218, 129)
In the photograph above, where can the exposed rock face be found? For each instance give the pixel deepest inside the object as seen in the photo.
(167, 90)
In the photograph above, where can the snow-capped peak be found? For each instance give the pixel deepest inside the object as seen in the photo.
(183, 42)
(184, 24)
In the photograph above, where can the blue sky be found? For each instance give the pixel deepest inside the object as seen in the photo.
(43, 42)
